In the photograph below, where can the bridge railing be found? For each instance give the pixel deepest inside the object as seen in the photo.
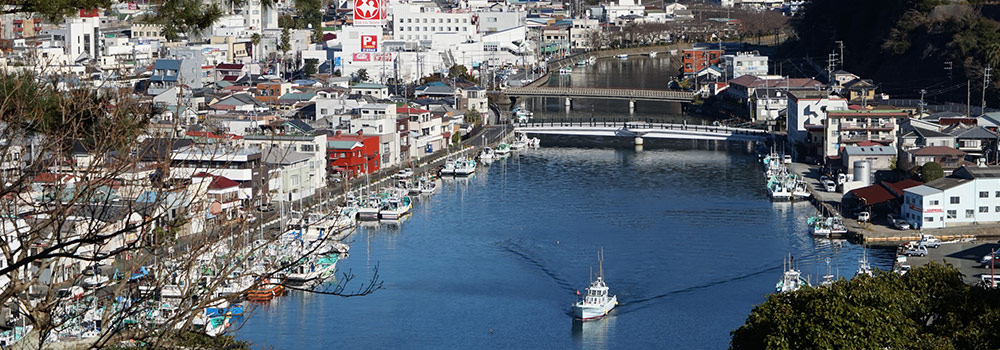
(628, 123)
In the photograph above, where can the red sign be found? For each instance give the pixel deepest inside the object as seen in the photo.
(362, 57)
(369, 43)
(934, 211)
(369, 57)
(369, 12)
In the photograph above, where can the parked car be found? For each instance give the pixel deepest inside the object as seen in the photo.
(988, 258)
(404, 173)
(829, 185)
(899, 223)
(919, 250)
(864, 216)
(929, 241)
(787, 159)
(841, 179)
(902, 269)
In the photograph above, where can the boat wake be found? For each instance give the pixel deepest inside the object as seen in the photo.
(522, 252)
(637, 304)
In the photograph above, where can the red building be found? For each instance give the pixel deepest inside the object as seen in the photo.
(697, 59)
(352, 154)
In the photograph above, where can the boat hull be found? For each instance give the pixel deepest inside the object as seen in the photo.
(594, 311)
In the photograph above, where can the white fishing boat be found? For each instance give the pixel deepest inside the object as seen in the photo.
(652, 54)
(792, 279)
(597, 301)
(565, 70)
(864, 268)
(837, 226)
(523, 115)
(369, 210)
(428, 187)
(592, 60)
(819, 226)
(622, 56)
(777, 190)
(800, 191)
(465, 167)
(486, 154)
(449, 167)
(397, 206)
(502, 149)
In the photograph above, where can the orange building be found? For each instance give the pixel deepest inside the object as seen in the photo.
(696, 59)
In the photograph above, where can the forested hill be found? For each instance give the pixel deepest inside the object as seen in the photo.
(904, 44)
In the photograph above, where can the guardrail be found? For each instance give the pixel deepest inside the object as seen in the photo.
(629, 124)
(625, 94)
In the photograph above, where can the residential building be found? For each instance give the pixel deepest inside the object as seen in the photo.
(353, 154)
(919, 137)
(291, 174)
(244, 166)
(806, 121)
(308, 143)
(379, 119)
(425, 130)
(880, 157)
(948, 157)
(849, 127)
(378, 91)
(698, 58)
(168, 73)
(977, 142)
(745, 63)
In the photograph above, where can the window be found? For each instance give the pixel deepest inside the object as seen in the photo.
(929, 219)
(954, 200)
(935, 202)
(952, 214)
(969, 213)
(984, 209)
(984, 194)
(997, 194)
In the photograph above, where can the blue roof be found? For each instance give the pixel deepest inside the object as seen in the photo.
(167, 64)
(305, 82)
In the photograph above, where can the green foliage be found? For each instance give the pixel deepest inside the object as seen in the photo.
(456, 138)
(286, 21)
(893, 163)
(361, 75)
(473, 117)
(286, 38)
(928, 308)
(931, 171)
(310, 68)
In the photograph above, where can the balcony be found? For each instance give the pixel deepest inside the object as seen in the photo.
(868, 126)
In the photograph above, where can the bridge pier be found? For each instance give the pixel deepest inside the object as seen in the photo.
(631, 106)
(638, 143)
(569, 104)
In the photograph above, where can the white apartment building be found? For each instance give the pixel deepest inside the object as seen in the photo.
(580, 32)
(379, 119)
(83, 36)
(970, 195)
(443, 29)
(745, 63)
(312, 146)
(806, 117)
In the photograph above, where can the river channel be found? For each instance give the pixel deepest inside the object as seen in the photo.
(494, 261)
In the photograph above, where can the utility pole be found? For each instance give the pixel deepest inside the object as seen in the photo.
(986, 83)
(948, 68)
(841, 44)
(830, 67)
(922, 104)
(968, 98)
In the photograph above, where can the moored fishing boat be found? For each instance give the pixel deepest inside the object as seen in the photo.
(791, 279)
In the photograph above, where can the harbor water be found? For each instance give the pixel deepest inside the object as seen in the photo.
(495, 261)
(692, 243)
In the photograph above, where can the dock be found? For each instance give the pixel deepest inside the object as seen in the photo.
(880, 232)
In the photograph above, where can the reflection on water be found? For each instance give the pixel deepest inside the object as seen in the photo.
(593, 334)
(494, 261)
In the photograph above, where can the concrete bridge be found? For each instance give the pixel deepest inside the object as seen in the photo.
(630, 95)
(642, 129)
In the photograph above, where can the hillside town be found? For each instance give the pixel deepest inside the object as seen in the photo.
(229, 164)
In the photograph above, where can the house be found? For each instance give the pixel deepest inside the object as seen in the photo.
(239, 102)
(353, 154)
(435, 91)
(847, 127)
(244, 166)
(880, 157)
(170, 73)
(745, 63)
(919, 137)
(977, 142)
(806, 120)
(425, 130)
(949, 158)
(223, 195)
(294, 136)
(293, 175)
(971, 195)
(697, 58)
(859, 90)
(378, 91)
(231, 72)
(379, 119)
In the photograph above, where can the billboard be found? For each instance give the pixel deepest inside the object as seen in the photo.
(372, 57)
(369, 12)
(369, 43)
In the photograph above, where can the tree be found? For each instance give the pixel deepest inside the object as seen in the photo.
(361, 75)
(928, 308)
(931, 171)
(473, 117)
(286, 41)
(456, 138)
(255, 41)
(310, 68)
(85, 196)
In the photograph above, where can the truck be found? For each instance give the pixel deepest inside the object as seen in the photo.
(919, 250)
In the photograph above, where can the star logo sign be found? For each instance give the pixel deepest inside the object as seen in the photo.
(366, 9)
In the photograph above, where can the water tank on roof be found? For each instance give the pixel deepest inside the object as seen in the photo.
(863, 172)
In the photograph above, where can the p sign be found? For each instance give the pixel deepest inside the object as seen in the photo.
(369, 43)
(368, 12)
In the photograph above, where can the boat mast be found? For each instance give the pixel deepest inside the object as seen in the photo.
(600, 262)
